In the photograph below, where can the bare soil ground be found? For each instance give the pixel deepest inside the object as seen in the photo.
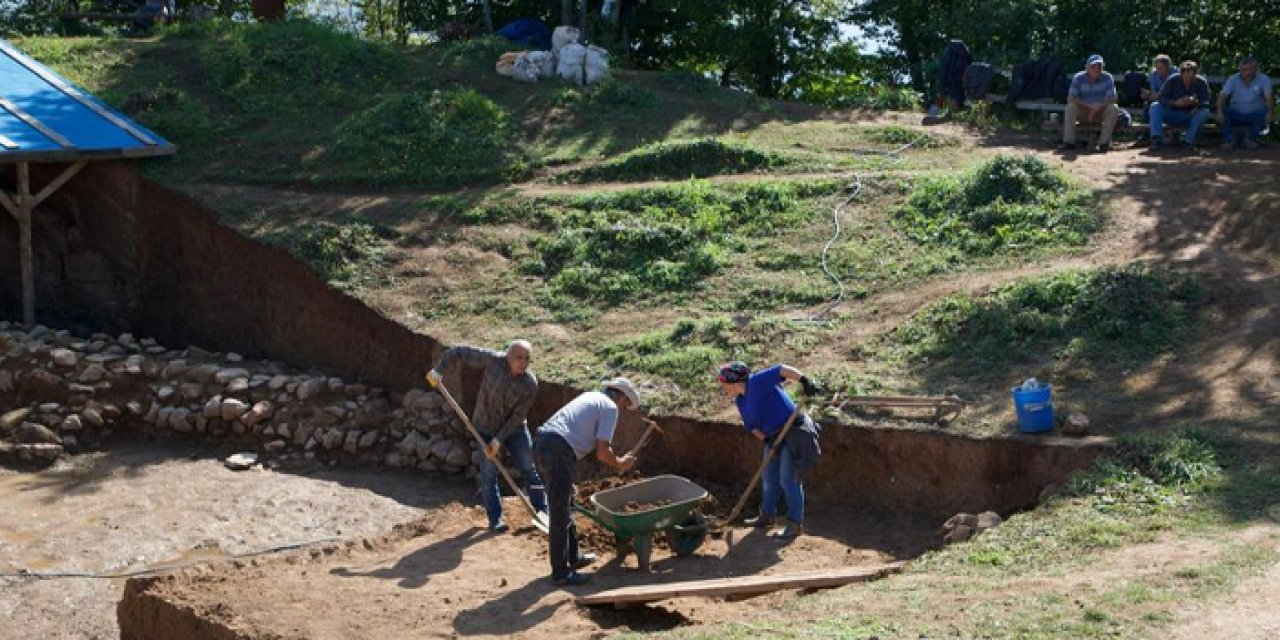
(143, 506)
(447, 576)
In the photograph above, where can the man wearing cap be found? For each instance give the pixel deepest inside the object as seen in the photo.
(765, 409)
(507, 391)
(1091, 98)
(578, 429)
(1246, 101)
(1183, 102)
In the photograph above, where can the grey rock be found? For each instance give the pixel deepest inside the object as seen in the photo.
(191, 390)
(369, 439)
(180, 420)
(32, 433)
(335, 385)
(987, 520)
(134, 407)
(458, 456)
(351, 443)
(392, 459)
(411, 443)
(282, 430)
(224, 376)
(71, 423)
(302, 433)
(278, 382)
(50, 407)
(92, 373)
(262, 410)
(165, 392)
(174, 370)
(212, 408)
(83, 389)
(232, 409)
(309, 388)
(153, 414)
(238, 385)
(234, 357)
(275, 446)
(332, 438)
(6, 382)
(241, 461)
(91, 416)
(64, 357)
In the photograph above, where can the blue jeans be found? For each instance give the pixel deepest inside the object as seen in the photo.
(1192, 120)
(520, 446)
(780, 476)
(1257, 122)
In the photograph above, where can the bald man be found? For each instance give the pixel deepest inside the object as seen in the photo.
(507, 391)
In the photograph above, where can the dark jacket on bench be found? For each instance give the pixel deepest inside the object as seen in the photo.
(1175, 89)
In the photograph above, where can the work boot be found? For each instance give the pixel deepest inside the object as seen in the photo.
(585, 560)
(788, 531)
(1104, 147)
(1250, 143)
(573, 579)
(759, 521)
(1157, 145)
(1067, 146)
(499, 527)
(1228, 145)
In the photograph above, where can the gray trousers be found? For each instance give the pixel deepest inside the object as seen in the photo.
(556, 464)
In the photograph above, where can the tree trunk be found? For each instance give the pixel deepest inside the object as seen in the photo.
(488, 16)
(566, 12)
(582, 18)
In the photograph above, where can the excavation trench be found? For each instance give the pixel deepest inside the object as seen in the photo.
(117, 252)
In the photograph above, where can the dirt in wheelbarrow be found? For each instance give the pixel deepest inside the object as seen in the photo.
(446, 575)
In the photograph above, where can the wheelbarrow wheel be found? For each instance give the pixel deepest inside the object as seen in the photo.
(686, 538)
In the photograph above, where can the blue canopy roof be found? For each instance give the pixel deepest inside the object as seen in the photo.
(45, 118)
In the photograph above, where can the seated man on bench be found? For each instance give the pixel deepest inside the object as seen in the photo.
(1184, 102)
(1246, 101)
(1091, 98)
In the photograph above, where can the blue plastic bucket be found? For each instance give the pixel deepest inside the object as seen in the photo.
(1034, 407)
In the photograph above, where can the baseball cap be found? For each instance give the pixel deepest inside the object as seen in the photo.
(1094, 59)
(627, 389)
(734, 372)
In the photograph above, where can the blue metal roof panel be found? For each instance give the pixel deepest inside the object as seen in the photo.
(42, 115)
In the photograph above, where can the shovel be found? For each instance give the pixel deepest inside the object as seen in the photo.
(773, 451)
(539, 519)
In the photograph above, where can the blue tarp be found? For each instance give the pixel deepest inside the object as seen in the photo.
(29, 92)
(528, 31)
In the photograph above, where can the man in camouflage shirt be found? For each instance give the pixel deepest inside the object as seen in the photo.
(507, 391)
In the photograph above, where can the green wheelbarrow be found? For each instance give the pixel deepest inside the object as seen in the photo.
(634, 531)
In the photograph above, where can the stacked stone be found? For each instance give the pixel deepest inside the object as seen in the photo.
(77, 392)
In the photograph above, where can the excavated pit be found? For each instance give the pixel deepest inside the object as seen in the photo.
(115, 251)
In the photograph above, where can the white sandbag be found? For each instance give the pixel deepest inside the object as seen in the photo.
(526, 69)
(564, 36)
(546, 62)
(570, 61)
(595, 64)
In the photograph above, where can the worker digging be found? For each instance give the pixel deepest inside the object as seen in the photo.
(507, 391)
(768, 414)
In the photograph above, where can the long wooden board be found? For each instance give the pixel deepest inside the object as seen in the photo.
(739, 587)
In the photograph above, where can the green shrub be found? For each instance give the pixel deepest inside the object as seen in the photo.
(1007, 202)
(1112, 313)
(677, 160)
(689, 352)
(610, 93)
(611, 247)
(438, 139)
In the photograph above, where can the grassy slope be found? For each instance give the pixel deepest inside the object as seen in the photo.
(471, 265)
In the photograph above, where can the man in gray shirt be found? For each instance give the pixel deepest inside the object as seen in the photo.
(1245, 100)
(583, 426)
(507, 391)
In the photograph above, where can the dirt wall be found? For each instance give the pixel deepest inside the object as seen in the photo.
(116, 250)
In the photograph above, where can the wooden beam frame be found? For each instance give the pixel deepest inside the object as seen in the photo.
(22, 206)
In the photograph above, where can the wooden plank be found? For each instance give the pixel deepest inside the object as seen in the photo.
(57, 182)
(739, 587)
(32, 122)
(75, 94)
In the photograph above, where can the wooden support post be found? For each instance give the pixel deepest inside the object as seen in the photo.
(24, 244)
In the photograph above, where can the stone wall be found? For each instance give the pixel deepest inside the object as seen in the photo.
(62, 394)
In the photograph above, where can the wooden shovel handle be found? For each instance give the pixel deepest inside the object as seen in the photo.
(773, 451)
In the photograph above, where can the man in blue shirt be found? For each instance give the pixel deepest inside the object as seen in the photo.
(1183, 103)
(1091, 98)
(1246, 100)
(765, 409)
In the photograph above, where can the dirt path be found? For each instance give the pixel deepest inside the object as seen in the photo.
(452, 578)
(142, 506)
